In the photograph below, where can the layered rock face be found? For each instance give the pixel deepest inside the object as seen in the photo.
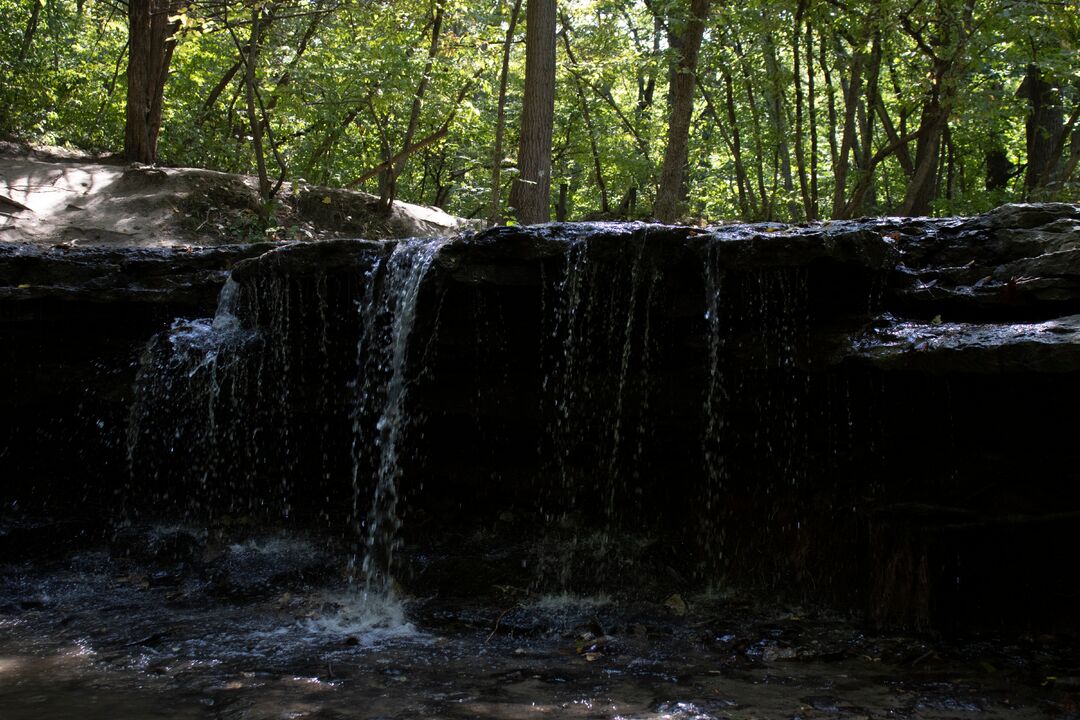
(868, 413)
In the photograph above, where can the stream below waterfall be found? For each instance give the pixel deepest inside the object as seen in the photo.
(252, 631)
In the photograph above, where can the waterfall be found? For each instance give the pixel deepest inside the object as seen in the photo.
(755, 407)
(187, 394)
(382, 419)
(262, 404)
(595, 390)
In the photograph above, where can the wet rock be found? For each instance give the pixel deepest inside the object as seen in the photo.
(268, 565)
(1047, 347)
(1016, 262)
(43, 538)
(160, 545)
(183, 279)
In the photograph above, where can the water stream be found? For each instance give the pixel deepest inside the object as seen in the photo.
(108, 637)
(388, 317)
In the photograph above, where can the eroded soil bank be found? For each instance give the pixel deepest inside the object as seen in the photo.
(60, 198)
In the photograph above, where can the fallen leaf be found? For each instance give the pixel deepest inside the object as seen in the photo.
(676, 604)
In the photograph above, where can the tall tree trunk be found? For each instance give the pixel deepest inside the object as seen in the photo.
(255, 124)
(495, 204)
(811, 102)
(800, 147)
(586, 115)
(151, 43)
(1045, 122)
(530, 195)
(946, 48)
(31, 30)
(390, 188)
(731, 139)
(671, 193)
(830, 105)
(921, 186)
(765, 206)
(778, 120)
(852, 92)
(864, 188)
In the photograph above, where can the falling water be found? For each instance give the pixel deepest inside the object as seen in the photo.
(187, 375)
(595, 393)
(715, 404)
(756, 399)
(382, 419)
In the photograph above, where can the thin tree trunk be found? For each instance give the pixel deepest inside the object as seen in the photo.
(393, 172)
(864, 180)
(800, 148)
(255, 125)
(495, 205)
(811, 103)
(852, 92)
(530, 195)
(830, 98)
(31, 30)
(731, 140)
(236, 67)
(778, 120)
(671, 194)
(586, 115)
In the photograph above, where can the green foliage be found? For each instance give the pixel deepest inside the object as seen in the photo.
(338, 78)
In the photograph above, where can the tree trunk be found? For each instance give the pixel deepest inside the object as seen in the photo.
(800, 148)
(852, 93)
(390, 188)
(920, 190)
(671, 192)
(731, 139)
(765, 204)
(778, 120)
(254, 121)
(561, 207)
(530, 195)
(495, 205)
(1044, 124)
(151, 44)
(31, 30)
(830, 105)
(587, 117)
(811, 106)
(946, 48)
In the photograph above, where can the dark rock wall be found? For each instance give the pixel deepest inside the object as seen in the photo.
(876, 414)
(72, 325)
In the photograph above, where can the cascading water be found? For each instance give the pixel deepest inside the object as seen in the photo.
(239, 415)
(189, 388)
(755, 406)
(300, 394)
(382, 417)
(595, 392)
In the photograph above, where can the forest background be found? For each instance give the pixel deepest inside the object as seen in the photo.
(786, 110)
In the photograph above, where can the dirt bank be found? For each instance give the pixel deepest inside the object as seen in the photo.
(58, 197)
